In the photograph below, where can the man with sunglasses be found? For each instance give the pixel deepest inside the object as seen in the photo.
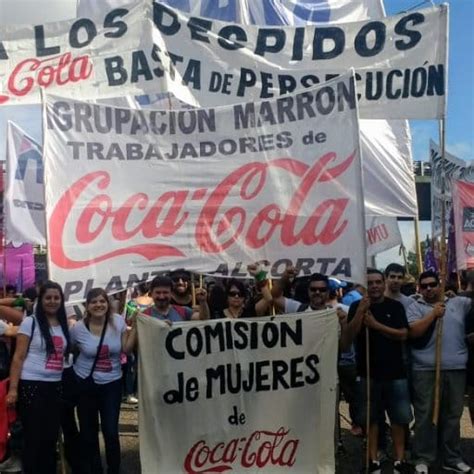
(181, 294)
(431, 442)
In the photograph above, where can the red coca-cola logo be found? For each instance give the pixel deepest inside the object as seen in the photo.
(219, 224)
(58, 70)
(261, 449)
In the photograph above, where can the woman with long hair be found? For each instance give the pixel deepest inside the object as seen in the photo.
(100, 338)
(35, 379)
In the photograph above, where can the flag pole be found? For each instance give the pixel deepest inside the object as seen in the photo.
(419, 257)
(442, 267)
(367, 418)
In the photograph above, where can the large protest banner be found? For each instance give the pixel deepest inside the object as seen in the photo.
(238, 395)
(73, 57)
(24, 191)
(210, 190)
(258, 12)
(400, 61)
(463, 210)
(444, 173)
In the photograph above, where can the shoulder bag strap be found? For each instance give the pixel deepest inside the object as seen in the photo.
(99, 347)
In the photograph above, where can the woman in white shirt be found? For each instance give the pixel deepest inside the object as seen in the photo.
(100, 338)
(35, 379)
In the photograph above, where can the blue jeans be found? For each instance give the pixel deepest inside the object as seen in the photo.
(103, 400)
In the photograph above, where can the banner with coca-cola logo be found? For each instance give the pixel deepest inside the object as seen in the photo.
(77, 58)
(238, 395)
(400, 61)
(131, 192)
(463, 207)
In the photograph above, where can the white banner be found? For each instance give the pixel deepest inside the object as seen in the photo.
(259, 12)
(454, 169)
(382, 234)
(74, 58)
(400, 61)
(210, 190)
(238, 395)
(24, 190)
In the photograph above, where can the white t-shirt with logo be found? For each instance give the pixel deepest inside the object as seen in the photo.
(108, 368)
(38, 365)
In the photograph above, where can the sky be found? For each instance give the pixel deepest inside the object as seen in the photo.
(460, 118)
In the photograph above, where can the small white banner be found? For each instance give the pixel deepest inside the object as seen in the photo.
(24, 194)
(238, 396)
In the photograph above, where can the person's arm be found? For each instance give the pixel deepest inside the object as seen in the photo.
(12, 315)
(355, 323)
(392, 333)
(21, 351)
(279, 286)
(419, 327)
(130, 336)
(344, 342)
(203, 313)
(263, 304)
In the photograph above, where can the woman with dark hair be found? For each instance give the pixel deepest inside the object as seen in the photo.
(239, 305)
(100, 338)
(35, 379)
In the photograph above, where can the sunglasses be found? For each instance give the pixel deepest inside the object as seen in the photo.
(235, 294)
(425, 286)
(177, 278)
(315, 289)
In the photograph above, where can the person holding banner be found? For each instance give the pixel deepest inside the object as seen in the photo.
(387, 328)
(161, 292)
(431, 441)
(35, 379)
(100, 338)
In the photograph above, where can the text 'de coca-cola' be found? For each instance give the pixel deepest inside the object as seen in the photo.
(260, 450)
(233, 213)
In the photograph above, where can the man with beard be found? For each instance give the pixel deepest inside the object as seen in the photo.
(387, 327)
(181, 294)
(161, 293)
(444, 439)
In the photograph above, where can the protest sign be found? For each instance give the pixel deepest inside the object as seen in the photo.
(463, 210)
(259, 12)
(382, 234)
(400, 61)
(238, 395)
(24, 193)
(72, 57)
(210, 190)
(444, 173)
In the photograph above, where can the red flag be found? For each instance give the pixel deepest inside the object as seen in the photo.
(463, 205)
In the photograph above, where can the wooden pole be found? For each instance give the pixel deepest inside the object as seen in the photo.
(442, 275)
(419, 257)
(193, 291)
(270, 286)
(367, 416)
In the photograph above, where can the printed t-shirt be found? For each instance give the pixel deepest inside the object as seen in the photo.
(386, 354)
(108, 367)
(175, 314)
(38, 365)
(453, 342)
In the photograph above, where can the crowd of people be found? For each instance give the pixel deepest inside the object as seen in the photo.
(67, 370)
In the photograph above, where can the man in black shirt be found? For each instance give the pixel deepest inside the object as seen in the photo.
(385, 322)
